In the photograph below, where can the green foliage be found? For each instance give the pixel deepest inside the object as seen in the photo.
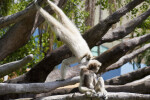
(5, 6)
(103, 3)
(74, 9)
(11, 7)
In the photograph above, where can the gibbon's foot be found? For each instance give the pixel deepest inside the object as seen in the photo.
(102, 95)
(90, 93)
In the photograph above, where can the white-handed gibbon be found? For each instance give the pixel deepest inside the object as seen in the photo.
(90, 84)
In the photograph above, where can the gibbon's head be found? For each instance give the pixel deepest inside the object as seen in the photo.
(94, 65)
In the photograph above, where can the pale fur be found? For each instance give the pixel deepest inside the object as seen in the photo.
(95, 84)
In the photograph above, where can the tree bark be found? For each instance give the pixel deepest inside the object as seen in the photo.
(127, 58)
(14, 18)
(140, 87)
(90, 8)
(113, 54)
(12, 66)
(124, 30)
(6, 88)
(111, 96)
(129, 77)
(40, 71)
(20, 32)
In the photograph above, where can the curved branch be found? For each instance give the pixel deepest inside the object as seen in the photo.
(10, 19)
(124, 30)
(127, 58)
(113, 54)
(12, 66)
(20, 32)
(137, 87)
(95, 34)
(129, 77)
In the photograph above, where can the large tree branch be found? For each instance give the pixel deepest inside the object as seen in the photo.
(111, 96)
(39, 72)
(129, 77)
(142, 86)
(138, 86)
(6, 88)
(100, 29)
(20, 32)
(127, 58)
(10, 19)
(113, 54)
(124, 30)
(12, 66)
(135, 87)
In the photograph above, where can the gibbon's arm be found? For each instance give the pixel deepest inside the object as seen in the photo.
(64, 19)
(100, 86)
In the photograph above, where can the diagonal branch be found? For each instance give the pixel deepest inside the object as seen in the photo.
(113, 54)
(125, 29)
(137, 87)
(20, 32)
(14, 18)
(101, 29)
(129, 77)
(12, 66)
(127, 58)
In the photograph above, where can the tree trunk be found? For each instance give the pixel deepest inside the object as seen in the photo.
(90, 8)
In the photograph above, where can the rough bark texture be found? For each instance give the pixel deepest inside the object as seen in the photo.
(92, 36)
(124, 30)
(19, 34)
(90, 8)
(12, 66)
(141, 87)
(113, 54)
(16, 36)
(129, 77)
(35, 87)
(10, 19)
(127, 58)
(111, 96)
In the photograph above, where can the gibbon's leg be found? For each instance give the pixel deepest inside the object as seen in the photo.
(87, 91)
(64, 19)
(52, 21)
(100, 88)
(65, 65)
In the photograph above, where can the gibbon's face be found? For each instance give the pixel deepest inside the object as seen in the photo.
(94, 65)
